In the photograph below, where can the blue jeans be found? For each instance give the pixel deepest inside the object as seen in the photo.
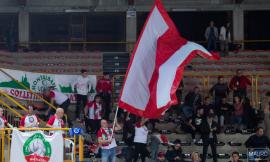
(108, 155)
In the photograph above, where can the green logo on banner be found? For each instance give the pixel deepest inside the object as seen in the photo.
(36, 148)
(42, 82)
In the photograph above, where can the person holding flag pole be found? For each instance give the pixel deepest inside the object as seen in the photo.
(156, 66)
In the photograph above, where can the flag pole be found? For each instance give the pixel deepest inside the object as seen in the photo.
(115, 119)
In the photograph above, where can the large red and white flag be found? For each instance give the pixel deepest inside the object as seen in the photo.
(157, 65)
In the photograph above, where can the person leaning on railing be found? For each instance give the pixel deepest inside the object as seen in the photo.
(30, 120)
(59, 99)
(56, 121)
(3, 120)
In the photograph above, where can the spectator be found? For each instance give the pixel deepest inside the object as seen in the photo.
(267, 114)
(250, 115)
(30, 120)
(208, 106)
(93, 113)
(129, 129)
(239, 84)
(197, 121)
(211, 35)
(161, 157)
(238, 113)
(224, 112)
(179, 92)
(155, 142)
(192, 100)
(81, 87)
(3, 120)
(258, 140)
(140, 140)
(225, 38)
(209, 129)
(219, 91)
(235, 157)
(104, 89)
(195, 157)
(107, 141)
(56, 121)
(174, 154)
(189, 127)
(59, 99)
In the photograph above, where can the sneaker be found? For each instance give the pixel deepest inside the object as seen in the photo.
(78, 120)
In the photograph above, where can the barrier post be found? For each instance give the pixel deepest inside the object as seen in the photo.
(81, 148)
(2, 145)
(9, 143)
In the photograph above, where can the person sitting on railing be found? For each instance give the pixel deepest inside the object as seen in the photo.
(56, 121)
(258, 140)
(30, 120)
(3, 120)
(59, 99)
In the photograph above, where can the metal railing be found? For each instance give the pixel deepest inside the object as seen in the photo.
(206, 79)
(5, 140)
(29, 90)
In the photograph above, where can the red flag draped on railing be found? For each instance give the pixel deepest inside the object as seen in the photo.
(157, 64)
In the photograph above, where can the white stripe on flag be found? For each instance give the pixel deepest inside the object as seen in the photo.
(167, 71)
(136, 89)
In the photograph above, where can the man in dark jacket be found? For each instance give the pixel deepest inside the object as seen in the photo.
(224, 112)
(239, 84)
(209, 129)
(219, 90)
(258, 140)
(175, 153)
(192, 101)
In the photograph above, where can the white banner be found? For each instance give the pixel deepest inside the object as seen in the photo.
(36, 147)
(38, 81)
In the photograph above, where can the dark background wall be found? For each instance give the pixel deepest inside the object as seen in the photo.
(257, 27)
(192, 25)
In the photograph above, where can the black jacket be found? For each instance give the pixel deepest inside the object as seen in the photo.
(255, 141)
(171, 154)
(205, 129)
(221, 90)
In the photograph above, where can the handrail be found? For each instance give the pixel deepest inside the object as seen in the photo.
(33, 129)
(123, 42)
(10, 108)
(28, 89)
(7, 132)
(15, 102)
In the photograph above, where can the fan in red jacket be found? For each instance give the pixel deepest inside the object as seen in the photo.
(30, 120)
(104, 89)
(239, 84)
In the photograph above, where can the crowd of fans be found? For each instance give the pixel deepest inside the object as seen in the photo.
(202, 117)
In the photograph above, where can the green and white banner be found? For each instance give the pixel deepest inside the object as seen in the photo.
(38, 81)
(36, 147)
